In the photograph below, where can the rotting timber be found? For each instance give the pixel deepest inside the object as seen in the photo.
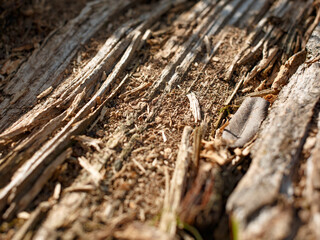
(127, 143)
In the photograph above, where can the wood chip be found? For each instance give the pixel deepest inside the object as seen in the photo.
(86, 142)
(141, 231)
(95, 175)
(45, 93)
(139, 165)
(194, 106)
(57, 191)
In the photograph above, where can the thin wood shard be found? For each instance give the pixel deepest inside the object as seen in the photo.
(194, 106)
(246, 121)
(138, 230)
(171, 205)
(94, 174)
(255, 204)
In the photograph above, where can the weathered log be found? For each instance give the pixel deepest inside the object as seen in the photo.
(46, 64)
(33, 166)
(61, 115)
(261, 205)
(31, 169)
(312, 192)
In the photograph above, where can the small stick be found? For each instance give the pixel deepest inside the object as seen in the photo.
(196, 147)
(257, 94)
(45, 93)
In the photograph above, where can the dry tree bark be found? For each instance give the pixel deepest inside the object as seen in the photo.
(264, 42)
(52, 58)
(313, 185)
(33, 155)
(262, 203)
(313, 168)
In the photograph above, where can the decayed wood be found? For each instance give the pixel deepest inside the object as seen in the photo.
(225, 11)
(46, 64)
(62, 212)
(267, 33)
(180, 55)
(261, 93)
(168, 220)
(210, 25)
(34, 217)
(313, 44)
(255, 205)
(254, 43)
(202, 204)
(312, 192)
(29, 171)
(103, 61)
(75, 93)
(85, 99)
(289, 68)
(41, 181)
(207, 60)
(220, 15)
(197, 11)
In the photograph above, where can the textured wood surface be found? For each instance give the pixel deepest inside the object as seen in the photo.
(45, 66)
(131, 101)
(262, 202)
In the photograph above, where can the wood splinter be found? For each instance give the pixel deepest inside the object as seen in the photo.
(194, 106)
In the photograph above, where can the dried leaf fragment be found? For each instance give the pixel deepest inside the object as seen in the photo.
(246, 121)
